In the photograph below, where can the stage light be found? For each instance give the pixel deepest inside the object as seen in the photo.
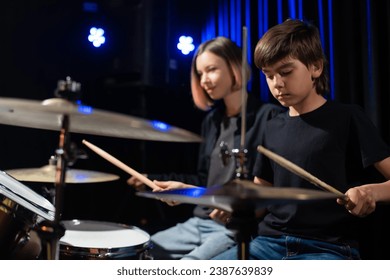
(96, 36)
(86, 110)
(185, 44)
(160, 126)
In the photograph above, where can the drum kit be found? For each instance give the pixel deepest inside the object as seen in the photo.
(23, 212)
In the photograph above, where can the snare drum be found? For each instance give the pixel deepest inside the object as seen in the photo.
(20, 210)
(103, 240)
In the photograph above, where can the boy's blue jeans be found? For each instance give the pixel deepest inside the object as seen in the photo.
(292, 248)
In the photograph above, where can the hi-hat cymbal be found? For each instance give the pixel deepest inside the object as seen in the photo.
(46, 174)
(239, 194)
(87, 120)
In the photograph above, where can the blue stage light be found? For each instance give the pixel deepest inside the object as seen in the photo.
(160, 126)
(96, 36)
(84, 109)
(186, 44)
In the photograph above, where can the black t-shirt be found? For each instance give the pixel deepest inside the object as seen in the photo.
(335, 143)
(257, 114)
(221, 171)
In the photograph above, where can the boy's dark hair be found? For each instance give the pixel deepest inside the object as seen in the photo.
(296, 39)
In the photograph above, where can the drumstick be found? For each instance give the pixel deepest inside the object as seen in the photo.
(121, 165)
(298, 171)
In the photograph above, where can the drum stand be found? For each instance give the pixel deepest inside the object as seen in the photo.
(50, 232)
(243, 217)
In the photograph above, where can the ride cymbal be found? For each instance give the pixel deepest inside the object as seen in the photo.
(87, 120)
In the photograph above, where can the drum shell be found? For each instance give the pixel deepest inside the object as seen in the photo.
(15, 225)
(21, 209)
(138, 251)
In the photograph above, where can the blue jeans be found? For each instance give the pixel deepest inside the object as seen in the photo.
(293, 248)
(195, 239)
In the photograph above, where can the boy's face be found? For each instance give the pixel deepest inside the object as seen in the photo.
(291, 82)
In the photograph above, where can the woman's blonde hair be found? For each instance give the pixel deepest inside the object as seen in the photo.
(227, 50)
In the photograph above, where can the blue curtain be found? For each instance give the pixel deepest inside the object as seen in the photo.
(227, 18)
(350, 32)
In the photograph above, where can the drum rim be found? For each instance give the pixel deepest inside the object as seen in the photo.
(100, 253)
(107, 252)
(98, 222)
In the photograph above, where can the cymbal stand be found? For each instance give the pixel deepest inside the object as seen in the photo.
(243, 216)
(50, 232)
(73, 155)
(244, 223)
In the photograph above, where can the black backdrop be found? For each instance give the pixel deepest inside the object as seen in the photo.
(44, 41)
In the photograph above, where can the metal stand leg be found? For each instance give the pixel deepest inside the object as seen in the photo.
(51, 232)
(245, 224)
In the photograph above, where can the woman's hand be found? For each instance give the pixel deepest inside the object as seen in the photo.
(170, 185)
(136, 183)
(220, 216)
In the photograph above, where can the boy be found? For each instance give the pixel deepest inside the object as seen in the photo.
(334, 142)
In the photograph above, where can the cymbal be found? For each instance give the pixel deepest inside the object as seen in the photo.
(46, 174)
(87, 120)
(239, 194)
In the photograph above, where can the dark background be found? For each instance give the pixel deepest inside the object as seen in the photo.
(139, 72)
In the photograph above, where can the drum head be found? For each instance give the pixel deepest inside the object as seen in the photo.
(26, 197)
(102, 239)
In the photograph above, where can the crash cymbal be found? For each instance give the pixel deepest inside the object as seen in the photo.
(240, 193)
(46, 174)
(87, 120)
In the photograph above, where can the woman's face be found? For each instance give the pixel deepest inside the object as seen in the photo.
(214, 75)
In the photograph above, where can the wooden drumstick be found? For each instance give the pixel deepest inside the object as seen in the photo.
(299, 171)
(121, 165)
